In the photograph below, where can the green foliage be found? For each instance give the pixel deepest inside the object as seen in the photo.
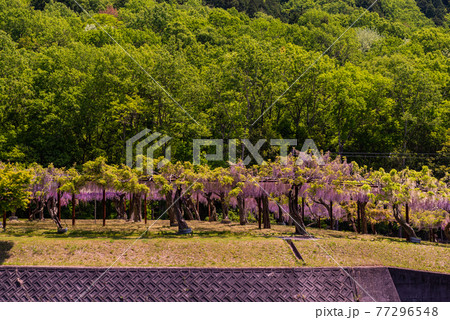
(100, 173)
(70, 94)
(14, 185)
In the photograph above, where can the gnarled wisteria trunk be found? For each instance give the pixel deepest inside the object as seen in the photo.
(170, 209)
(351, 220)
(280, 215)
(329, 207)
(38, 210)
(447, 231)
(190, 206)
(186, 211)
(294, 213)
(361, 207)
(224, 205)
(182, 225)
(402, 222)
(212, 212)
(119, 204)
(241, 208)
(52, 207)
(136, 208)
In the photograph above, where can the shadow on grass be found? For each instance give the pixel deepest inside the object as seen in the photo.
(169, 234)
(134, 231)
(402, 240)
(90, 234)
(200, 233)
(5, 247)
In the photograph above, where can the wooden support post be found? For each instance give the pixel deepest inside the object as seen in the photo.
(258, 200)
(59, 205)
(73, 209)
(104, 207)
(145, 208)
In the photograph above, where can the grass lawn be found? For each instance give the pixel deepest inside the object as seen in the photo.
(212, 245)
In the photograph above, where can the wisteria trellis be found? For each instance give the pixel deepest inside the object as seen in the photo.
(330, 190)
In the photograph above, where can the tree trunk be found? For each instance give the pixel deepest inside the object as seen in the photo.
(294, 213)
(73, 209)
(182, 225)
(213, 212)
(38, 210)
(52, 208)
(224, 204)
(4, 220)
(265, 210)
(363, 217)
(120, 206)
(194, 209)
(186, 209)
(447, 231)
(135, 208)
(280, 215)
(170, 209)
(352, 221)
(41, 210)
(329, 208)
(405, 226)
(241, 208)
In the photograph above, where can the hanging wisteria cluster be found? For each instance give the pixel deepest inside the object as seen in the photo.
(290, 189)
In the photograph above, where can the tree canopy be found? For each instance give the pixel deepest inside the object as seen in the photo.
(69, 93)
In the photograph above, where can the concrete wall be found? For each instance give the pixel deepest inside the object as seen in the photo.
(374, 284)
(421, 286)
(221, 284)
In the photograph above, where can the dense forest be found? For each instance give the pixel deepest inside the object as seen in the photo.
(75, 84)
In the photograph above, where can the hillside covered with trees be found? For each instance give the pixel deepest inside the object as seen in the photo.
(75, 86)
